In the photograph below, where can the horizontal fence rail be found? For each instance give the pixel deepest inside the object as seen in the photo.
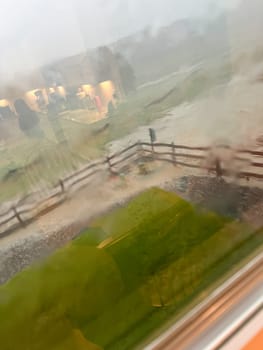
(204, 158)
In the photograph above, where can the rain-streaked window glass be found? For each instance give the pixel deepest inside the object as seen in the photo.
(131, 172)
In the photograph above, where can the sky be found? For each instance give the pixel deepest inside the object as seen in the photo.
(35, 32)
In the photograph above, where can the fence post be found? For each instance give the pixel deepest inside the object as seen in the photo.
(17, 215)
(140, 151)
(219, 170)
(62, 185)
(152, 146)
(109, 165)
(143, 169)
(153, 138)
(174, 154)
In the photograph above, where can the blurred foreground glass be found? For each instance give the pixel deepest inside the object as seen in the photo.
(82, 83)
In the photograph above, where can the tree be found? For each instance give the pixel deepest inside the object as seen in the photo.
(115, 67)
(126, 73)
(106, 67)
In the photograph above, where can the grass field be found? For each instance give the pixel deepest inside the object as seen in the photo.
(123, 278)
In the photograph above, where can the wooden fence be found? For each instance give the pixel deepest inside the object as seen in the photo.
(245, 163)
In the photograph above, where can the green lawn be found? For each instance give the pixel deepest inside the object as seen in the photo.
(161, 254)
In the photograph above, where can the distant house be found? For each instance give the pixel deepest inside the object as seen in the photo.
(95, 73)
(72, 71)
(82, 71)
